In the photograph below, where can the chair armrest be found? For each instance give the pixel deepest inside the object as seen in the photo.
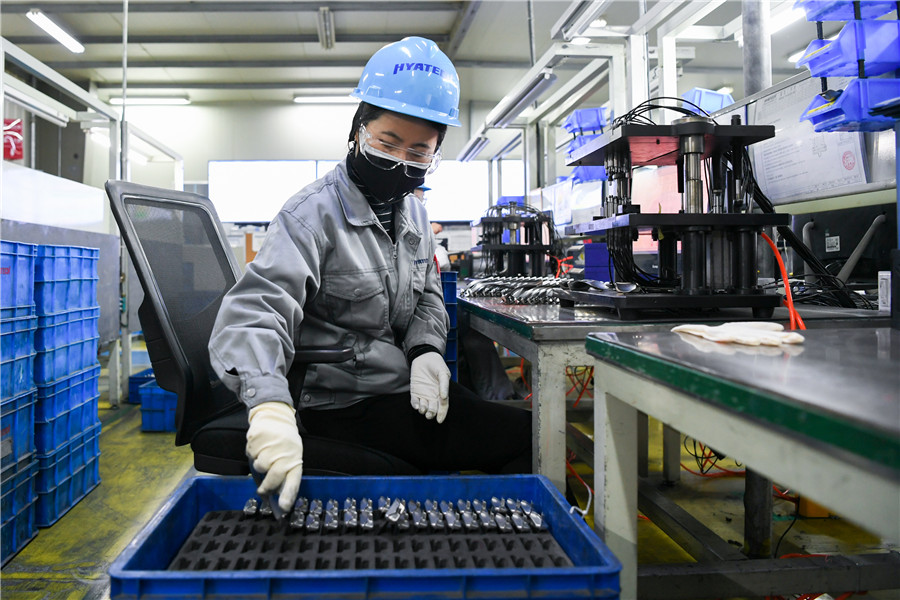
(322, 354)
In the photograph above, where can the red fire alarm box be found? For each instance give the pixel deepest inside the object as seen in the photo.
(12, 139)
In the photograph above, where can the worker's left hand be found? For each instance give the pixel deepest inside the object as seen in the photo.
(429, 386)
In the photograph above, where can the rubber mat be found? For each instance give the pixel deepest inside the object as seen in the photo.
(238, 541)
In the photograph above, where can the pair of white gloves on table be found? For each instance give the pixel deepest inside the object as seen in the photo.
(273, 441)
(750, 333)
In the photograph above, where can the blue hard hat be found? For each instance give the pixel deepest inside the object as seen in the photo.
(412, 77)
(424, 188)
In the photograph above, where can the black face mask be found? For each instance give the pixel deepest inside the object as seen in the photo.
(386, 187)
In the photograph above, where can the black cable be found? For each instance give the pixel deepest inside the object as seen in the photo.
(793, 522)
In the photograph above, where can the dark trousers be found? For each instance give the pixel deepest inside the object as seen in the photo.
(476, 435)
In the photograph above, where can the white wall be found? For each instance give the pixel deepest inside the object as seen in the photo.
(256, 131)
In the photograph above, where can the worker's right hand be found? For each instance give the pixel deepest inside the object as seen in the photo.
(275, 448)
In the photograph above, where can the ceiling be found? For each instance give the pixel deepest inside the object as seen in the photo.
(269, 51)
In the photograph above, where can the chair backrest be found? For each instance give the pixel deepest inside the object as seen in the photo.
(185, 266)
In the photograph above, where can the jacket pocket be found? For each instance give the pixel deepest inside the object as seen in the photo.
(357, 301)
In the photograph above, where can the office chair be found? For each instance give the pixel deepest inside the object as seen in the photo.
(185, 266)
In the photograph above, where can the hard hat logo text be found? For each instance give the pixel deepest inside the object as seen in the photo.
(417, 67)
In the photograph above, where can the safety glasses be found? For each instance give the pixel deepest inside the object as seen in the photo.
(387, 156)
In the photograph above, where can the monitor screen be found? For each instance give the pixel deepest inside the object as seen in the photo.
(253, 191)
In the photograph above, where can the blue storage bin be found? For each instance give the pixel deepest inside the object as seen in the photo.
(582, 174)
(452, 365)
(50, 435)
(58, 501)
(849, 111)
(16, 376)
(67, 392)
(17, 485)
(157, 408)
(16, 531)
(451, 312)
(448, 283)
(511, 200)
(140, 571)
(63, 295)
(135, 382)
(16, 274)
(450, 354)
(842, 10)
(17, 426)
(877, 42)
(17, 337)
(57, 263)
(50, 365)
(708, 100)
(59, 329)
(585, 119)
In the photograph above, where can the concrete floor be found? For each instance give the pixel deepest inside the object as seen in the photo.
(140, 470)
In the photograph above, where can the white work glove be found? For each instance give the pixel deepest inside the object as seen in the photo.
(429, 386)
(750, 333)
(274, 446)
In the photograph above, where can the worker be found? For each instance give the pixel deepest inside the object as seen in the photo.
(348, 261)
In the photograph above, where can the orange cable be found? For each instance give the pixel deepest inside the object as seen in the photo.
(796, 319)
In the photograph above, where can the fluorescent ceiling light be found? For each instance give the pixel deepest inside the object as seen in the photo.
(512, 106)
(325, 27)
(325, 100)
(472, 148)
(151, 100)
(38, 17)
(599, 23)
(725, 89)
(581, 41)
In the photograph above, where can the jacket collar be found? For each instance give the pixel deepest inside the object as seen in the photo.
(357, 210)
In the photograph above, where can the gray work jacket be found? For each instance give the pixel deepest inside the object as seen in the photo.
(329, 275)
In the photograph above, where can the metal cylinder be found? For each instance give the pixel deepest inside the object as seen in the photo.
(691, 148)
(693, 262)
(757, 52)
(718, 260)
(744, 263)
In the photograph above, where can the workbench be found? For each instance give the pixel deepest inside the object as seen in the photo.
(822, 418)
(551, 337)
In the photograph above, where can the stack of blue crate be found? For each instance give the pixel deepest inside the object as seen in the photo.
(448, 282)
(17, 396)
(66, 371)
(157, 406)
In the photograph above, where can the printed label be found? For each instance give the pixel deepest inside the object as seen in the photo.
(833, 243)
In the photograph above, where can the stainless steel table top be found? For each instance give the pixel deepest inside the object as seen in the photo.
(552, 322)
(841, 386)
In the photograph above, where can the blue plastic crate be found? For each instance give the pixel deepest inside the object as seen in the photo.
(16, 274)
(585, 173)
(67, 392)
(17, 337)
(135, 382)
(17, 483)
(849, 110)
(16, 376)
(453, 366)
(157, 408)
(708, 100)
(450, 354)
(53, 364)
(578, 141)
(17, 425)
(449, 288)
(16, 531)
(56, 466)
(842, 10)
(59, 329)
(57, 263)
(451, 312)
(50, 435)
(585, 119)
(877, 42)
(140, 571)
(17, 312)
(58, 296)
(59, 500)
